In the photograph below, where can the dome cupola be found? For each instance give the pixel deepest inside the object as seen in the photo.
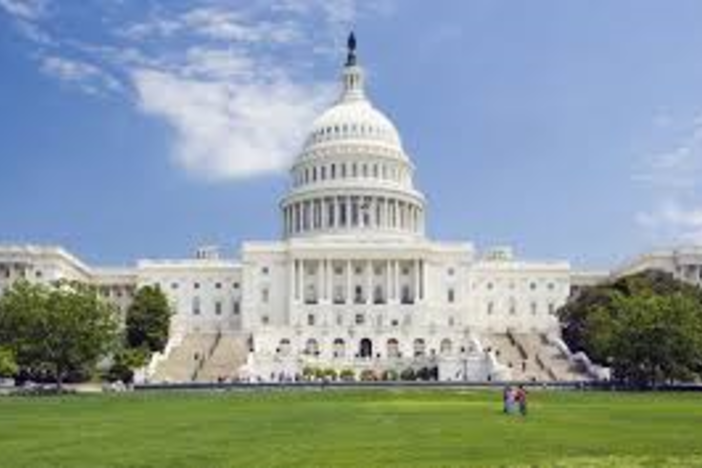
(352, 175)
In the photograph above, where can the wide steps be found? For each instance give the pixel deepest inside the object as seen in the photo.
(227, 357)
(185, 359)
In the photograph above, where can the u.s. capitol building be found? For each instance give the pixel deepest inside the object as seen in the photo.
(354, 283)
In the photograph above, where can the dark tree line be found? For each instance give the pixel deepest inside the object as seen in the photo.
(647, 327)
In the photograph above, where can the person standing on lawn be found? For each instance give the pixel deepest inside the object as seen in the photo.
(521, 399)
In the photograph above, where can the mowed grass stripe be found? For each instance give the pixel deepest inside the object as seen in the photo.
(350, 428)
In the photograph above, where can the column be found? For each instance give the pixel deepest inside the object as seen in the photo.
(328, 279)
(369, 282)
(298, 276)
(296, 215)
(396, 281)
(348, 282)
(292, 292)
(415, 293)
(335, 212)
(387, 281)
(320, 280)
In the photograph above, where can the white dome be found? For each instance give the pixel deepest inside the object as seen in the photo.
(352, 177)
(355, 119)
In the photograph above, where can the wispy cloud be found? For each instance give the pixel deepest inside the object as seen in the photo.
(234, 83)
(674, 178)
(88, 77)
(25, 9)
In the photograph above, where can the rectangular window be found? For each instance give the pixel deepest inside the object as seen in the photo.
(310, 320)
(360, 319)
(236, 308)
(196, 305)
(451, 296)
(218, 308)
(265, 295)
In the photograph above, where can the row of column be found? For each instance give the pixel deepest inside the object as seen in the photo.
(341, 212)
(324, 271)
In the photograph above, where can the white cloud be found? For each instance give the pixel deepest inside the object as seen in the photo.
(674, 178)
(25, 9)
(673, 221)
(233, 82)
(90, 78)
(226, 131)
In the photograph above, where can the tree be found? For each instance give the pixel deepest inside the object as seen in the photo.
(8, 364)
(148, 320)
(647, 327)
(124, 362)
(58, 329)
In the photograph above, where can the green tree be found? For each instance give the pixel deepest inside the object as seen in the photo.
(8, 364)
(124, 362)
(148, 320)
(647, 327)
(58, 329)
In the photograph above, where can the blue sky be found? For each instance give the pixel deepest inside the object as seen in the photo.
(569, 129)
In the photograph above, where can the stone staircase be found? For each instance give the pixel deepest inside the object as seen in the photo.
(228, 354)
(183, 362)
(528, 356)
(551, 358)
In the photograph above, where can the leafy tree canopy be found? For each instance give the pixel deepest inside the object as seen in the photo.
(647, 327)
(57, 329)
(148, 320)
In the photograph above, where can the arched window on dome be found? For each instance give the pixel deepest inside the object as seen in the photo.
(333, 171)
(354, 170)
(343, 170)
(365, 170)
(324, 172)
(375, 171)
(314, 174)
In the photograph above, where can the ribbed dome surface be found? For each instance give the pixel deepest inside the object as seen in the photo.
(353, 119)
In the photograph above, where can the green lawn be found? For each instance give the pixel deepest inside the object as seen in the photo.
(350, 428)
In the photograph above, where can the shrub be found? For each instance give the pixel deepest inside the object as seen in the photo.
(331, 374)
(8, 364)
(408, 374)
(347, 375)
(390, 374)
(367, 375)
(309, 372)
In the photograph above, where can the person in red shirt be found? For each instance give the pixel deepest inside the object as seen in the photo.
(521, 399)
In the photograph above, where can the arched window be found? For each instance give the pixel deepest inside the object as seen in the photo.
(312, 347)
(284, 347)
(446, 346)
(365, 348)
(393, 348)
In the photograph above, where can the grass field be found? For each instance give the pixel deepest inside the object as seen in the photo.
(350, 428)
